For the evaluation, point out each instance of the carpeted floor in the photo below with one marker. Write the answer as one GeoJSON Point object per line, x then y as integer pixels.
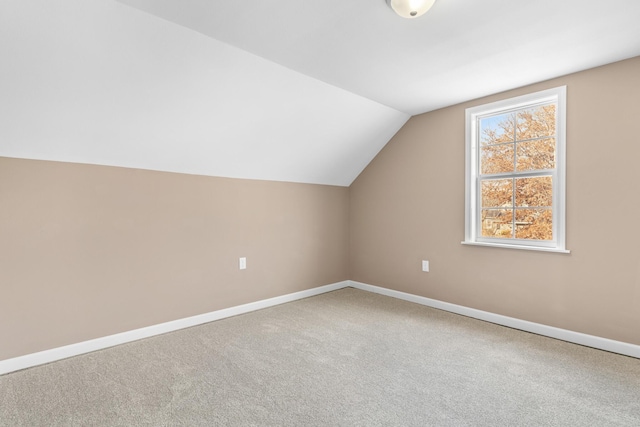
{"type": "Point", "coordinates": [345, 358]}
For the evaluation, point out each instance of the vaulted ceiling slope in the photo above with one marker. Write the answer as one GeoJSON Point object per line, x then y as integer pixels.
{"type": "Point", "coordinates": [459, 50]}
{"type": "Point", "coordinates": [290, 90]}
{"type": "Point", "coordinates": [100, 82]}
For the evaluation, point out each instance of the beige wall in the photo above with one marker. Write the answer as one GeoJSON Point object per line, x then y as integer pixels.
{"type": "Point", "coordinates": [88, 251]}
{"type": "Point", "coordinates": [408, 205]}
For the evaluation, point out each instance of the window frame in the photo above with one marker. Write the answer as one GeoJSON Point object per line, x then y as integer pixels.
{"type": "Point", "coordinates": [557, 95]}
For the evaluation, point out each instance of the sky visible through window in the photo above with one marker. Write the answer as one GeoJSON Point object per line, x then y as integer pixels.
{"type": "Point", "coordinates": [519, 142]}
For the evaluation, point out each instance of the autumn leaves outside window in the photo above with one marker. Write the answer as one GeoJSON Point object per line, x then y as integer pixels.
{"type": "Point", "coordinates": [512, 145]}
{"type": "Point", "coordinates": [515, 172]}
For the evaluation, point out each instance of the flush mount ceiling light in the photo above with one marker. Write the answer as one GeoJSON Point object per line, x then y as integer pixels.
{"type": "Point", "coordinates": [410, 8]}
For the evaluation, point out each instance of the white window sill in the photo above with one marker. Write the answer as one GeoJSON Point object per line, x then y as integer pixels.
{"type": "Point", "coordinates": [522, 247]}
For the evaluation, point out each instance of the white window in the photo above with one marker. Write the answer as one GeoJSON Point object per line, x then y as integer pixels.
{"type": "Point", "coordinates": [515, 172]}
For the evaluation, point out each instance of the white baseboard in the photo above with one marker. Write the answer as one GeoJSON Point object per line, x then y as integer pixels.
{"type": "Point", "coordinates": [59, 353]}
{"type": "Point", "coordinates": [523, 325]}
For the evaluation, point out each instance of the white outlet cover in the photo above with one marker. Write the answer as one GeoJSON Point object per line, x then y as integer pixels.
{"type": "Point", "coordinates": [243, 263]}
{"type": "Point", "coordinates": [425, 266]}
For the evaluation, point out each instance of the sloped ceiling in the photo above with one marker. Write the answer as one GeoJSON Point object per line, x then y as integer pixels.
{"type": "Point", "coordinates": [459, 50]}
{"type": "Point", "coordinates": [102, 83]}
{"type": "Point", "coordinates": [303, 91]}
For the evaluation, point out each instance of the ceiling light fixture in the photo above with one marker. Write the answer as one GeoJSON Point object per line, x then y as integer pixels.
{"type": "Point", "coordinates": [410, 8]}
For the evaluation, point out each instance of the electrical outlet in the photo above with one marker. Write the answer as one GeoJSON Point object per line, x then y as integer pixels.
{"type": "Point", "coordinates": [425, 265]}
{"type": "Point", "coordinates": [243, 263]}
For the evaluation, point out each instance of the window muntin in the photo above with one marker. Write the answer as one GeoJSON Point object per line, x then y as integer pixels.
{"type": "Point", "coordinates": [515, 172]}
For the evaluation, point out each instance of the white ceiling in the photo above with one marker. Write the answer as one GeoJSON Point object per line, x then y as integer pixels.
{"type": "Point", "coordinates": [289, 90]}
{"type": "Point", "coordinates": [459, 50]}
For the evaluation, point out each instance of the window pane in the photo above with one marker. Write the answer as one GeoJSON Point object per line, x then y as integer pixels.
{"type": "Point", "coordinates": [515, 170]}
{"type": "Point", "coordinates": [496, 159]}
{"type": "Point", "coordinates": [497, 223]}
{"type": "Point", "coordinates": [537, 154]}
{"type": "Point", "coordinates": [537, 191]}
{"type": "Point", "coordinates": [497, 129]}
{"type": "Point", "coordinates": [534, 224]}
{"type": "Point", "coordinates": [497, 193]}
{"type": "Point", "coordinates": [536, 122]}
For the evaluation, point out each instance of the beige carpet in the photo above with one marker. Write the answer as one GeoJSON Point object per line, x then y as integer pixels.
{"type": "Point", "coordinates": [346, 358]}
